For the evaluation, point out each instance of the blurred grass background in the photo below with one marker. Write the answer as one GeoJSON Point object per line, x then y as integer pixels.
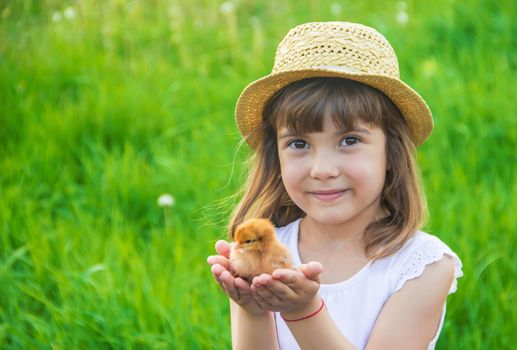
{"type": "Point", "coordinates": [106, 105]}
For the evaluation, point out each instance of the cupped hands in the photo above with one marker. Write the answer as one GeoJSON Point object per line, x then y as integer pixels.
{"type": "Point", "coordinates": [293, 292]}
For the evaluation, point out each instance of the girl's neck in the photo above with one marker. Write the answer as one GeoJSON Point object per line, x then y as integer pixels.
{"type": "Point", "coordinates": [344, 236]}
{"type": "Point", "coordinates": [325, 237]}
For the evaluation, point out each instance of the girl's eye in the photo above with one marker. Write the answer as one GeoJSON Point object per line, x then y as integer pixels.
{"type": "Point", "coordinates": [298, 144]}
{"type": "Point", "coordinates": [349, 141]}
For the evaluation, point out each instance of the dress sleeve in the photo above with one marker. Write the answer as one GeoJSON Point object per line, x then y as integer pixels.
{"type": "Point", "coordinates": [425, 254]}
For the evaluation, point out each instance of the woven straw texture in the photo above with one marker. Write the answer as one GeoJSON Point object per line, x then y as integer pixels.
{"type": "Point", "coordinates": [333, 49]}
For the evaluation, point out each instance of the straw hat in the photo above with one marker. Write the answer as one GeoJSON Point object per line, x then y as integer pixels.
{"type": "Point", "coordinates": [333, 49]}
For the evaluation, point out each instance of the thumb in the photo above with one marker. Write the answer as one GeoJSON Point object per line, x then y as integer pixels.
{"type": "Point", "coordinates": [312, 270]}
{"type": "Point", "coordinates": [223, 248]}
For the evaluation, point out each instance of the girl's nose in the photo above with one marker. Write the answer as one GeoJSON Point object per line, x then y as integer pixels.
{"type": "Point", "coordinates": [324, 166]}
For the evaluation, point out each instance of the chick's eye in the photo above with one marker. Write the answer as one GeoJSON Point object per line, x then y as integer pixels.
{"type": "Point", "coordinates": [249, 241]}
{"type": "Point", "coordinates": [298, 144]}
{"type": "Point", "coordinates": [349, 141]}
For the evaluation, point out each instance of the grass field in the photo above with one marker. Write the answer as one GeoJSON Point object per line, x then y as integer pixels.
{"type": "Point", "coordinates": [106, 105]}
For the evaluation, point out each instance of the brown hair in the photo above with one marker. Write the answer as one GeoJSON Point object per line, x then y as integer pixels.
{"type": "Point", "coordinates": [301, 106]}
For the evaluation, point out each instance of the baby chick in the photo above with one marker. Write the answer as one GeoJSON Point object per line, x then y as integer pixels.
{"type": "Point", "coordinates": [256, 250]}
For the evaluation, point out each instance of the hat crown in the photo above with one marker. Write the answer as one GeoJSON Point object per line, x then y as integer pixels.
{"type": "Point", "coordinates": [346, 46]}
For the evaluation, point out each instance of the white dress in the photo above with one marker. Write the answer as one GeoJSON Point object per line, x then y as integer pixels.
{"type": "Point", "coordinates": [355, 303]}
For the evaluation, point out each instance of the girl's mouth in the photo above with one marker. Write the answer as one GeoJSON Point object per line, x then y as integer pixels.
{"type": "Point", "coordinates": [328, 195]}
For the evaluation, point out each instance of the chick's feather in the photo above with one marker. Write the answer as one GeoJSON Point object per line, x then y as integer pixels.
{"type": "Point", "coordinates": [256, 250]}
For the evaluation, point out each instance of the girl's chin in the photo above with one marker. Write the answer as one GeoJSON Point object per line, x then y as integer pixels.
{"type": "Point", "coordinates": [328, 219]}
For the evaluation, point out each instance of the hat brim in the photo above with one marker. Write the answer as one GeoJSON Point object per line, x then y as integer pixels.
{"type": "Point", "coordinates": [250, 105]}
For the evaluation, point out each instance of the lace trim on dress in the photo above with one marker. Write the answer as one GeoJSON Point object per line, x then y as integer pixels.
{"type": "Point", "coordinates": [424, 255]}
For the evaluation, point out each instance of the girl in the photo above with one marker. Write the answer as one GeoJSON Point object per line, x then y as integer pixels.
{"type": "Point", "coordinates": [334, 131]}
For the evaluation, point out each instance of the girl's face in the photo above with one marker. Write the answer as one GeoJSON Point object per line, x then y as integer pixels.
{"type": "Point", "coordinates": [335, 176]}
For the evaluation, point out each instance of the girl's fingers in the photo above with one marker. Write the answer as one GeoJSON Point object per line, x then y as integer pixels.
{"type": "Point", "coordinates": [242, 284]}
{"type": "Point", "coordinates": [217, 270]}
{"type": "Point", "coordinates": [262, 279]}
{"type": "Point", "coordinates": [280, 290]}
{"type": "Point", "coordinates": [273, 296]}
{"type": "Point", "coordinates": [273, 291]}
{"type": "Point", "coordinates": [264, 302]}
{"type": "Point", "coordinates": [235, 287]}
{"type": "Point", "coordinates": [288, 277]}
{"type": "Point", "coordinates": [297, 281]}
{"type": "Point", "coordinates": [219, 259]}
{"type": "Point", "coordinates": [246, 297]}
{"type": "Point", "coordinates": [223, 248]}
{"type": "Point", "coordinates": [227, 282]}
{"type": "Point", "coordinates": [312, 270]}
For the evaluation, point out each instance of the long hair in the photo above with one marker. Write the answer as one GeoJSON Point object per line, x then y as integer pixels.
{"type": "Point", "coordinates": [301, 106]}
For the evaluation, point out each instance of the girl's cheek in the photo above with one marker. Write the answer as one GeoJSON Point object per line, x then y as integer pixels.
{"type": "Point", "coordinates": [356, 166]}
{"type": "Point", "coordinates": [290, 164]}
{"type": "Point", "coordinates": [292, 177]}
{"type": "Point", "coordinates": [370, 173]}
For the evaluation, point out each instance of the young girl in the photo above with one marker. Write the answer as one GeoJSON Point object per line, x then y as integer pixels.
{"type": "Point", "coordinates": [334, 131]}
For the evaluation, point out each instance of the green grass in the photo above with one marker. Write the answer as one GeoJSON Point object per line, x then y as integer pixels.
{"type": "Point", "coordinates": [106, 109]}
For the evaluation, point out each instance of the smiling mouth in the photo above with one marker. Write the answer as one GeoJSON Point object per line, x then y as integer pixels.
{"type": "Point", "coordinates": [328, 195]}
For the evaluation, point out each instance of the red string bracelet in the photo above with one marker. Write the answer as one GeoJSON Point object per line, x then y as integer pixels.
{"type": "Point", "coordinates": [306, 317]}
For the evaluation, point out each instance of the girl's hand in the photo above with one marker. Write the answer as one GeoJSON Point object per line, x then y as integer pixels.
{"type": "Point", "coordinates": [291, 292]}
{"type": "Point", "coordinates": [236, 288]}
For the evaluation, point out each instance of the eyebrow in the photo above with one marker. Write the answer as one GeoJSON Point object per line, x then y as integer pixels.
{"type": "Point", "coordinates": [288, 133]}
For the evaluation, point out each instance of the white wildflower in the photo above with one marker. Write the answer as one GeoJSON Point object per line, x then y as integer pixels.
{"type": "Point", "coordinates": [336, 9]}
{"type": "Point", "coordinates": [69, 13]}
{"type": "Point", "coordinates": [56, 17]}
{"type": "Point", "coordinates": [226, 7]}
{"type": "Point", "coordinates": [402, 17]}
{"type": "Point", "coordinates": [166, 200]}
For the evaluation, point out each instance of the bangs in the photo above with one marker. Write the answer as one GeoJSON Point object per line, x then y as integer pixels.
{"type": "Point", "coordinates": [301, 106]}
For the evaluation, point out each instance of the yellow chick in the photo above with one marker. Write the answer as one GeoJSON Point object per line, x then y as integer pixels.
{"type": "Point", "coordinates": [256, 250]}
